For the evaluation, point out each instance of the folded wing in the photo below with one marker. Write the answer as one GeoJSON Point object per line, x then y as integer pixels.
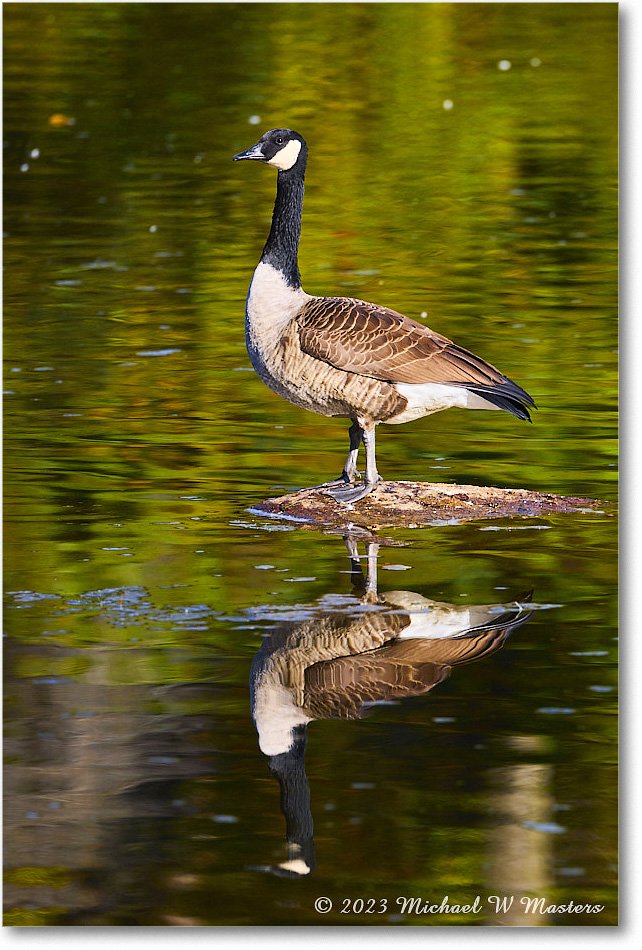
{"type": "Point", "coordinates": [364, 338]}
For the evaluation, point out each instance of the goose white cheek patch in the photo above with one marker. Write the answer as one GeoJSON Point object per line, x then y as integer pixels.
{"type": "Point", "coordinates": [287, 156]}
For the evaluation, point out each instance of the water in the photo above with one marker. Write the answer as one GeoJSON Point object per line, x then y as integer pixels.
{"type": "Point", "coordinates": [140, 588]}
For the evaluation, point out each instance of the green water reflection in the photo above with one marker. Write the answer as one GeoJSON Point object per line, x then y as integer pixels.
{"type": "Point", "coordinates": [463, 167]}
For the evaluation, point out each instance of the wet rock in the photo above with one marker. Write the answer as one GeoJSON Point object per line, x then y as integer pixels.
{"type": "Point", "coordinates": [418, 504]}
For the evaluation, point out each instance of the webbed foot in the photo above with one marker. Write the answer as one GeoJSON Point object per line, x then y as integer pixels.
{"type": "Point", "coordinates": [347, 493]}
{"type": "Point", "coordinates": [344, 480]}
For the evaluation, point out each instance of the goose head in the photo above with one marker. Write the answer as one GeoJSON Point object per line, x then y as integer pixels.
{"type": "Point", "coordinates": [282, 148]}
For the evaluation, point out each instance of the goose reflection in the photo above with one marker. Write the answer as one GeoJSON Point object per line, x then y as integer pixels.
{"type": "Point", "coordinates": [339, 664]}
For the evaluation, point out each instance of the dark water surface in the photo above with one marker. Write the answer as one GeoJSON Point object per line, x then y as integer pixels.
{"type": "Point", "coordinates": [463, 171]}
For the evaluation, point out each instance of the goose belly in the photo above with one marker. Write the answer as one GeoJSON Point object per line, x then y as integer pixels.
{"type": "Point", "coordinates": [313, 384]}
{"type": "Point", "coordinates": [301, 381]}
{"type": "Point", "coordinates": [422, 399]}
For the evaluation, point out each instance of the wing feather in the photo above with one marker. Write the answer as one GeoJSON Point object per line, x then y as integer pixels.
{"type": "Point", "coordinates": [340, 687]}
{"type": "Point", "coordinates": [364, 338]}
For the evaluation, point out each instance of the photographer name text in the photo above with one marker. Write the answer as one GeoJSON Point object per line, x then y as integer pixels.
{"type": "Point", "coordinates": [419, 905]}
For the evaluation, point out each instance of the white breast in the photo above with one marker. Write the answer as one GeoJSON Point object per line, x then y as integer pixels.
{"type": "Point", "coordinates": [275, 716]}
{"type": "Point", "coordinates": [271, 304]}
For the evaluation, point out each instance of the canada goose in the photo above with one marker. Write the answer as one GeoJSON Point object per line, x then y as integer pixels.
{"type": "Point", "coordinates": [335, 665]}
{"type": "Point", "coordinates": [343, 357]}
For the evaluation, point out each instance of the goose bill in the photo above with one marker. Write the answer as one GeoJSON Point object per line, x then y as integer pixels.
{"type": "Point", "coordinates": [254, 152]}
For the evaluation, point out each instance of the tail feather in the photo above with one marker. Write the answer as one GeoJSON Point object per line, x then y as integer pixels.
{"type": "Point", "coordinates": [506, 401]}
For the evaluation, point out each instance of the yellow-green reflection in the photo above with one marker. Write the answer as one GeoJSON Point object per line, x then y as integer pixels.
{"type": "Point", "coordinates": [136, 436]}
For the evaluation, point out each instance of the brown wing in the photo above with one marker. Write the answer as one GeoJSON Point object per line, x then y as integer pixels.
{"type": "Point", "coordinates": [361, 337]}
{"type": "Point", "coordinates": [339, 688]}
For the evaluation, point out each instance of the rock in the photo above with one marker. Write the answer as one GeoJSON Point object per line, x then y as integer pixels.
{"type": "Point", "coordinates": [418, 504]}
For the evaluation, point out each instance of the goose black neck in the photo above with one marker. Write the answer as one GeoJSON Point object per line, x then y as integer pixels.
{"type": "Point", "coordinates": [282, 245]}
{"type": "Point", "coordinates": [289, 768]}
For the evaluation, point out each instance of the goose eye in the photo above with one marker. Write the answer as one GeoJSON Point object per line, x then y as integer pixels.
{"type": "Point", "coordinates": [279, 140]}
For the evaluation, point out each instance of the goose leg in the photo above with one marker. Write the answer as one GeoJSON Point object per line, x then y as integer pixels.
{"type": "Point", "coordinates": [367, 586]}
{"type": "Point", "coordinates": [372, 551]}
{"type": "Point", "coordinates": [349, 474]}
{"type": "Point", "coordinates": [349, 493]}
{"type": "Point", "coordinates": [358, 580]}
